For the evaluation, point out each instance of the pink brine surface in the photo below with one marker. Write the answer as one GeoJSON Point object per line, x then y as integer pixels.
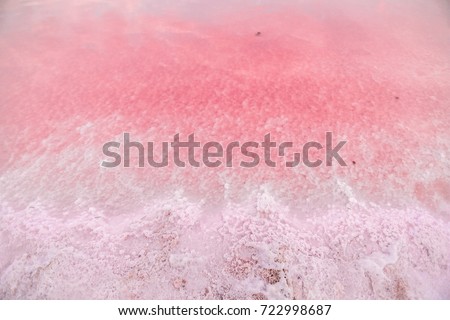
{"type": "Point", "coordinates": [77, 74]}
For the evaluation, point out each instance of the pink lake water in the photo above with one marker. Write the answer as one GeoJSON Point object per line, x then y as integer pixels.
{"type": "Point", "coordinates": [76, 74]}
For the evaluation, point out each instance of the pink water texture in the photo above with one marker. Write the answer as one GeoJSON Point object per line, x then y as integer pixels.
{"type": "Point", "coordinates": [76, 74]}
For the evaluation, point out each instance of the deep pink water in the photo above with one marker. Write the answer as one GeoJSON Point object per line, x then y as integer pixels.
{"type": "Point", "coordinates": [76, 74]}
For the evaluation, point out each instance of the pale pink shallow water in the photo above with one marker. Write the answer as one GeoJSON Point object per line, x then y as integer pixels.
{"type": "Point", "coordinates": [76, 74]}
